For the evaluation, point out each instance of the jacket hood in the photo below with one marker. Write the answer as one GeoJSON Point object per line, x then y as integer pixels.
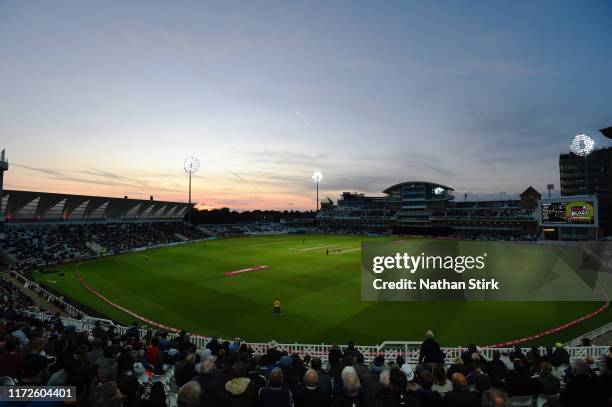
{"type": "Point", "coordinates": [237, 386]}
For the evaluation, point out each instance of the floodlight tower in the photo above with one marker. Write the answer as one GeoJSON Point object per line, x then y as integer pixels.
{"type": "Point", "coordinates": [191, 165]}
{"type": "Point", "coordinates": [317, 177]}
{"type": "Point", "coordinates": [582, 145]}
{"type": "Point", "coordinates": [4, 166]}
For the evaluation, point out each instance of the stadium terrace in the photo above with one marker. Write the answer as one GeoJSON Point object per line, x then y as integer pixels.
{"type": "Point", "coordinates": [417, 207]}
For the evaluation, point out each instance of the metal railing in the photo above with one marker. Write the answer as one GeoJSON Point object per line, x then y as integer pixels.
{"type": "Point", "coordinates": [52, 298]}
{"type": "Point", "coordinates": [595, 333]}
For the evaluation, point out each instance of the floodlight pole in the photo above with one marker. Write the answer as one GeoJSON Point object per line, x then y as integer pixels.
{"type": "Point", "coordinates": [191, 165]}
{"type": "Point", "coordinates": [586, 173]}
{"type": "Point", "coordinates": [4, 166]}
{"type": "Point", "coordinates": [317, 196]}
{"type": "Point", "coordinates": [189, 208]}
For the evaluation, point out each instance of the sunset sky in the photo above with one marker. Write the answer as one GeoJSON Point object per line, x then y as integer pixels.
{"type": "Point", "coordinates": [109, 98]}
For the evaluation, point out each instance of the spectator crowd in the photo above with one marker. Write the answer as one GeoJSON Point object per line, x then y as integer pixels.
{"type": "Point", "coordinates": [146, 368]}
{"type": "Point", "coordinates": [39, 246]}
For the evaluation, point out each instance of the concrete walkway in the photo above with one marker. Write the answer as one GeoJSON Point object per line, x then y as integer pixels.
{"type": "Point", "coordinates": [605, 340]}
{"type": "Point", "coordinates": [40, 301]}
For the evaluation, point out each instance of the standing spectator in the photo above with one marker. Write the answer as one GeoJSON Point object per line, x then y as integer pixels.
{"type": "Point", "coordinates": [351, 352]}
{"type": "Point", "coordinates": [430, 350]}
{"type": "Point", "coordinates": [214, 345]}
{"type": "Point", "coordinates": [560, 355]}
{"type": "Point", "coordinates": [133, 333]}
{"type": "Point", "coordinates": [99, 332]}
{"type": "Point", "coordinates": [154, 355]}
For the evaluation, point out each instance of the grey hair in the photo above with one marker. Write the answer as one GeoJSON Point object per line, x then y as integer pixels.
{"type": "Point", "coordinates": [429, 334]}
{"type": "Point", "coordinates": [350, 380]}
{"type": "Point", "coordinates": [580, 367]}
{"type": "Point", "coordinates": [208, 365]}
{"type": "Point", "coordinates": [189, 394]}
{"type": "Point", "coordinates": [384, 378]}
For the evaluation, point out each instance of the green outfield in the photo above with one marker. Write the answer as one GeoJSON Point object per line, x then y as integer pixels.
{"type": "Point", "coordinates": [185, 287]}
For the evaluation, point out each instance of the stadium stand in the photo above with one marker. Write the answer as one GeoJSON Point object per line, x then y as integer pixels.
{"type": "Point", "coordinates": [37, 246]}
{"type": "Point", "coordinates": [418, 207]}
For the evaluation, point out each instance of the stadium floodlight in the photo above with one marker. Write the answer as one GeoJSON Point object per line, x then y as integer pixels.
{"type": "Point", "coordinates": [317, 177]}
{"type": "Point", "coordinates": [582, 145]}
{"type": "Point", "coordinates": [191, 165]}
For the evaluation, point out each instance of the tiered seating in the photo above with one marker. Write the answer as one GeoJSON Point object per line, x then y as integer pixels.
{"type": "Point", "coordinates": [37, 246]}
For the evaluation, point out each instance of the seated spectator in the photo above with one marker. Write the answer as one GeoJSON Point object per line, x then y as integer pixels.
{"type": "Point", "coordinates": [97, 352]}
{"type": "Point", "coordinates": [11, 360]}
{"type": "Point", "coordinates": [274, 394]}
{"type": "Point", "coordinates": [495, 398]}
{"type": "Point", "coordinates": [396, 394]}
{"type": "Point", "coordinates": [309, 394]}
{"type": "Point", "coordinates": [290, 375]}
{"type": "Point", "coordinates": [519, 380]}
{"type": "Point", "coordinates": [131, 389]}
{"type": "Point", "coordinates": [351, 386]}
{"type": "Point", "coordinates": [545, 382]}
{"type": "Point", "coordinates": [374, 385]}
{"type": "Point", "coordinates": [458, 366]}
{"type": "Point", "coordinates": [461, 395]}
{"type": "Point", "coordinates": [212, 382]}
{"type": "Point", "coordinates": [189, 395]}
{"type": "Point", "coordinates": [324, 379]}
{"type": "Point", "coordinates": [425, 394]}
{"type": "Point", "coordinates": [58, 378]}
{"type": "Point", "coordinates": [157, 397]}
{"type": "Point", "coordinates": [240, 391]}
{"type": "Point", "coordinates": [497, 370]}
{"type": "Point", "coordinates": [184, 370]}
{"type": "Point", "coordinates": [106, 395]}
{"type": "Point", "coordinates": [580, 390]}
{"type": "Point", "coordinates": [35, 370]}
{"type": "Point", "coordinates": [441, 384]}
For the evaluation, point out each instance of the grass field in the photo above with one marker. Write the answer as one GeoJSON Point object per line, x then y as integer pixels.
{"type": "Point", "coordinates": [185, 287]}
